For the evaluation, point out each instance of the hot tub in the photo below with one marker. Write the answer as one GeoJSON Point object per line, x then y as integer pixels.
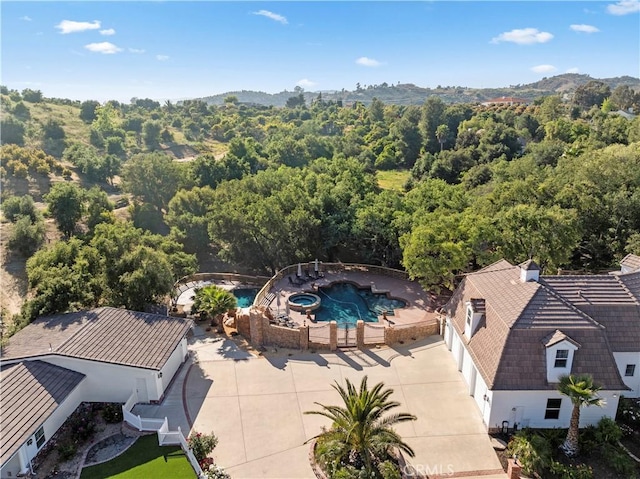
{"type": "Point", "coordinates": [304, 302]}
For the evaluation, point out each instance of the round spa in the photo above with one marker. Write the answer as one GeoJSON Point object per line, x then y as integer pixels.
{"type": "Point", "coordinates": [304, 302]}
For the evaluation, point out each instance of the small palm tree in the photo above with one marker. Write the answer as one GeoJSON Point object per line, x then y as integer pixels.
{"type": "Point", "coordinates": [212, 301]}
{"type": "Point", "coordinates": [582, 392]}
{"type": "Point", "coordinates": [360, 435]}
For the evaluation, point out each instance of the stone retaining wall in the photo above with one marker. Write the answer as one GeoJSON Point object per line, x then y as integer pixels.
{"type": "Point", "coordinates": [256, 327]}
{"type": "Point", "coordinates": [396, 334]}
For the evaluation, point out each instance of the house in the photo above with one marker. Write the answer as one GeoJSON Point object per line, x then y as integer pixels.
{"type": "Point", "coordinates": [55, 363]}
{"type": "Point", "coordinates": [504, 100]}
{"type": "Point", "coordinates": [513, 333]}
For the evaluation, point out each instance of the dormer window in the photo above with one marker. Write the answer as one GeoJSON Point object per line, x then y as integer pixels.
{"type": "Point", "coordinates": [560, 351]}
{"type": "Point", "coordinates": [475, 311]}
{"type": "Point", "coordinates": [562, 355]}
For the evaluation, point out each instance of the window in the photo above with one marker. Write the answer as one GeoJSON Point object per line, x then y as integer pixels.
{"type": "Point", "coordinates": [553, 409]}
{"type": "Point", "coordinates": [630, 370]}
{"type": "Point", "coordinates": [469, 314]}
{"type": "Point", "coordinates": [40, 437]}
{"type": "Point", "coordinates": [561, 358]}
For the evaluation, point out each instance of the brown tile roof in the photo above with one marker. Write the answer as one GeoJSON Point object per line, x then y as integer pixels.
{"type": "Point", "coordinates": [31, 392]}
{"type": "Point", "coordinates": [507, 346]}
{"type": "Point", "coordinates": [631, 261]}
{"type": "Point", "coordinates": [556, 337]}
{"type": "Point", "coordinates": [104, 334]}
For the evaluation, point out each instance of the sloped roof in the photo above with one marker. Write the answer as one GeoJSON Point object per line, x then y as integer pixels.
{"type": "Point", "coordinates": [110, 335]}
{"type": "Point", "coordinates": [631, 262]}
{"type": "Point", "coordinates": [31, 392]}
{"type": "Point", "coordinates": [556, 337]}
{"type": "Point", "coordinates": [507, 346]}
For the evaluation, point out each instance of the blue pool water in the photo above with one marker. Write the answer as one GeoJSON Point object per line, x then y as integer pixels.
{"type": "Point", "coordinates": [346, 304]}
{"type": "Point", "coordinates": [245, 296]}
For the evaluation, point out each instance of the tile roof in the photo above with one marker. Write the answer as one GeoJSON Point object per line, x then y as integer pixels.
{"type": "Point", "coordinates": [507, 346]}
{"type": "Point", "coordinates": [31, 392]}
{"type": "Point", "coordinates": [631, 262]}
{"type": "Point", "coordinates": [556, 337]}
{"type": "Point", "coordinates": [110, 335]}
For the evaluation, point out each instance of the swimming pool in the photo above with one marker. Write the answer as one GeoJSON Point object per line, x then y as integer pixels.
{"type": "Point", "coordinates": [345, 303]}
{"type": "Point", "coordinates": [245, 296]}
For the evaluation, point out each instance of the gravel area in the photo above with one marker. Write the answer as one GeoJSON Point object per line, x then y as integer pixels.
{"type": "Point", "coordinates": [108, 448]}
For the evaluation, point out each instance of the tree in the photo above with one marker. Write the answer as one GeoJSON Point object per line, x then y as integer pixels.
{"type": "Point", "coordinates": [361, 436]}
{"type": "Point", "coordinates": [582, 392]}
{"type": "Point", "coordinates": [32, 96]}
{"type": "Point", "coordinates": [27, 236]}
{"type": "Point", "coordinates": [295, 101]}
{"type": "Point", "coordinates": [153, 177]}
{"type": "Point", "coordinates": [591, 94]}
{"type": "Point", "coordinates": [623, 97]}
{"type": "Point", "coordinates": [442, 134]}
{"type": "Point", "coordinates": [151, 134]}
{"type": "Point", "coordinates": [11, 131]}
{"type": "Point", "coordinates": [88, 110]}
{"type": "Point", "coordinates": [212, 301]}
{"type": "Point", "coordinates": [187, 217]}
{"type": "Point", "coordinates": [15, 207]}
{"type": "Point", "coordinates": [99, 208]}
{"type": "Point", "coordinates": [66, 204]}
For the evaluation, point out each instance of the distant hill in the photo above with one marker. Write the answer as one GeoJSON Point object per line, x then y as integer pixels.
{"type": "Point", "coordinates": [410, 94]}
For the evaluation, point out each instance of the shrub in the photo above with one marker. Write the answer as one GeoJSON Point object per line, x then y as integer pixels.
{"type": "Point", "coordinates": [81, 423]}
{"type": "Point", "coordinates": [607, 432]}
{"type": "Point", "coordinates": [216, 472]}
{"type": "Point", "coordinates": [532, 451]}
{"type": "Point", "coordinates": [618, 460]}
{"type": "Point", "coordinates": [564, 471]}
{"type": "Point", "coordinates": [202, 444]}
{"type": "Point", "coordinates": [66, 450]}
{"type": "Point", "coordinates": [629, 412]}
{"type": "Point", "coordinates": [112, 413]}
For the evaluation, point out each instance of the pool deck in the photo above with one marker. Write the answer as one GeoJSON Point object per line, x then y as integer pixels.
{"type": "Point", "coordinates": [419, 307]}
{"type": "Point", "coordinates": [185, 299]}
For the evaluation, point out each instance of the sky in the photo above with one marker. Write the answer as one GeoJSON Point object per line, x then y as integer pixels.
{"type": "Point", "coordinates": [176, 49]}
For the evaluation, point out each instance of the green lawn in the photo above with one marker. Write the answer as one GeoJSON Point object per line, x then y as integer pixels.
{"type": "Point", "coordinates": [393, 179]}
{"type": "Point", "coordinates": [145, 459]}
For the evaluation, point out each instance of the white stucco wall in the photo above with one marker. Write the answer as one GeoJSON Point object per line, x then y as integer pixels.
{"type": "Point", "coordinates": [622, 359]}
{"type": "Point", "coordinates": [50, 426]}
{"type": "Point", "coordinates": [554, 373]}
{"type": "Point", "coordinates": [172, 364]}
{"type": "Point", "coordinates": [528, 409]}
{"type": "Point", "coordinates": [106, 382]}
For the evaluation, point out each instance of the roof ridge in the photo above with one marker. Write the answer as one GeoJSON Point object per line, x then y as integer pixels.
{"type": "Point", "coordinates": [624, 286]}
{"type": "Point", "coordinates": [558, 296]}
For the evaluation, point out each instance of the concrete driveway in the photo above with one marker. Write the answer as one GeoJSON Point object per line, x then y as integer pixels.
{"type": "Point", "coordinates": [255, 406]}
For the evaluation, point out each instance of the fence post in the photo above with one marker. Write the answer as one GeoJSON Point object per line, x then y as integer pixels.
{"type": "Point", "coordinates": [360, 334]}
{"type": "Point", "coordinates": [333, 335]}
{"type": "Point", "coordinates": [304, 338]}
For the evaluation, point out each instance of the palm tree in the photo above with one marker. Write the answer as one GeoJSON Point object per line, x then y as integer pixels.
{"type": "Point", "coordinates": [212, 301]}
{"type": "Point", "coordinates": [582, 392]}
{"type": "Point", "coordinates": [360, 435]}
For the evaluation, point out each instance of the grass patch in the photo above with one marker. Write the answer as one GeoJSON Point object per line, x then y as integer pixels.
{"type": "Point", "coordinates": [144, 459]}
{"type": "Point", "coordinates": [393, 179]}
{"type": "Point", "coordinates": [67, 115]}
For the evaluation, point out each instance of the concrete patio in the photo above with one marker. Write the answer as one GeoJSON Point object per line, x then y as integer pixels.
{"type": "Point", "coordinates": [255, 406]}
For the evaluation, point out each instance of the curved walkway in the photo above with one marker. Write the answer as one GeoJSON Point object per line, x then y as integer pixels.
{"type": "Point", "coordinates": [255, 406]}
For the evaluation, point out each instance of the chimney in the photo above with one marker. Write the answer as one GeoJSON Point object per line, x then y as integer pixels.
{"type": "Point", "coordinates": [529, 271]}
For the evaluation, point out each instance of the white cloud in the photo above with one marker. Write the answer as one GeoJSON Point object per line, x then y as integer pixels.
{"type": "Point", "coordinates": [273, 16]}
{"type": "Point", "coordinates": [573, 70]}
{"type": "Point", "coordinates": [105, 48]}
{"type": "Point", "coordinates": [162, 58]}
{"type": "Point", "coordinates": [523, 36]}
{"type": "Point", "coordinates": [26, 18]}
{"type": "Point", "coordinates": [543, 69]}
{"type": "Point", "coordinates": [136, 50]}
{"type": "Point", "coordinates": [368, 62]}
{"type": "Point", "coordinates": [108, 31]}
{"type": "Point", "coordinates": [624, 7]}
{"type": "Point", "coordinates": [69, 26]}
{"type": "Point", "coordinates": [306, 83]}
{"type": "Point", "coordinates": [584, 28]}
